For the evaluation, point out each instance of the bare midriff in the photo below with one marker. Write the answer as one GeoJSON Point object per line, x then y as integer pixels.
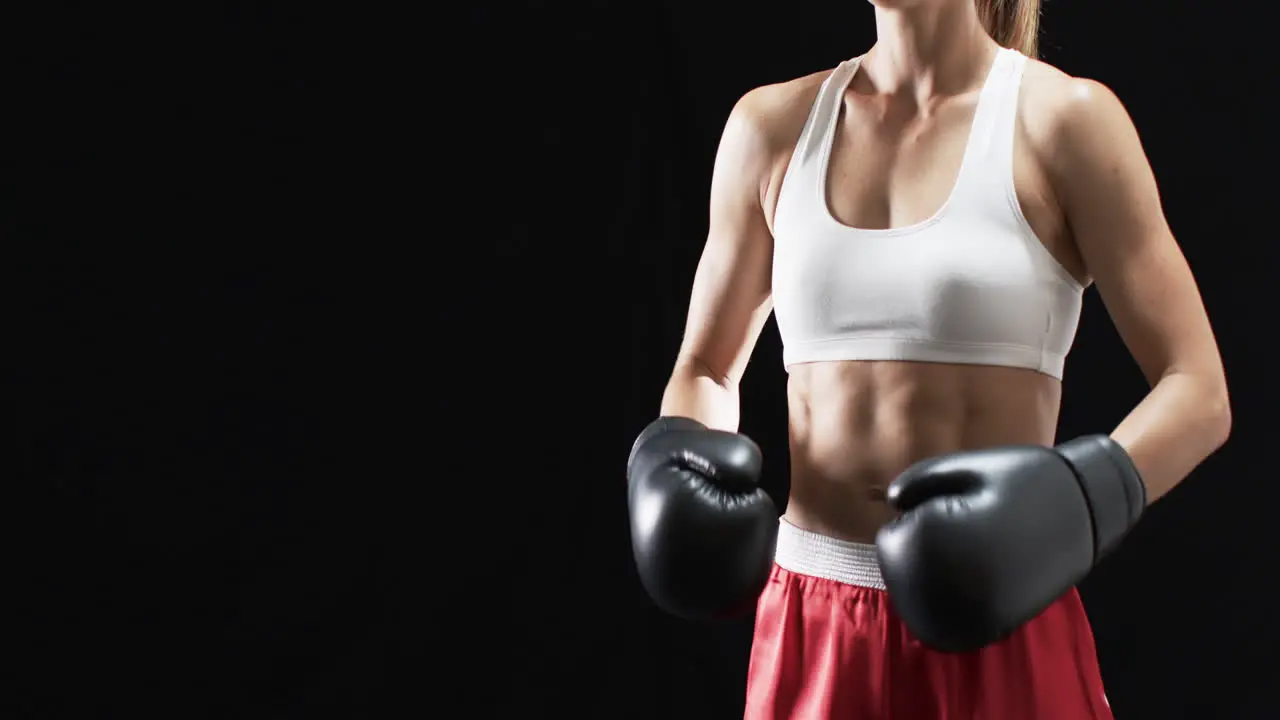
{"type": "Point", "coordinates": [854, 426]}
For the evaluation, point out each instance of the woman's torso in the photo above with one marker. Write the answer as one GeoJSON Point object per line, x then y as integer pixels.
{"type": "Point", "coordinates": [856, 424]}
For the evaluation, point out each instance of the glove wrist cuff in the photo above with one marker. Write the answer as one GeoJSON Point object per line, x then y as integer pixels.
{"type": "Point", "coordinates": [1112, 486]}
{"type": "Point", "coordinates": [657, 427]}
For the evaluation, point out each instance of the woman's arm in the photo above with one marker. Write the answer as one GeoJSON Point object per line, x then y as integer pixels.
{"type": "Point", "coordinates": [1108, 192]}
{"type": "Point", "coordinates": [731, 290]}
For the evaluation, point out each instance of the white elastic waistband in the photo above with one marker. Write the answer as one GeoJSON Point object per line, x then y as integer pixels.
{"type": "Point", "coordinates": [809, 553]}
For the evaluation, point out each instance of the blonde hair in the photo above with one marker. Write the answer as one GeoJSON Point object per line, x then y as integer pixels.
{"type": "Point", "coordinates": [1012, 23]}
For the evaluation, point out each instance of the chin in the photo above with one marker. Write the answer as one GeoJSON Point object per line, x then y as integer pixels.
{"type": "Point", "coordinates": [901, 4]}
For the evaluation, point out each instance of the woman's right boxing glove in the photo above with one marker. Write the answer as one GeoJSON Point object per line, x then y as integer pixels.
{"type": "Point", "coordinates": [702, 530]}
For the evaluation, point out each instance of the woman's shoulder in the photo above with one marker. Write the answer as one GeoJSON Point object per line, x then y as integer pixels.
{"type": "Point", "coordinates": [1076, 126]}
{"type": "Point", "coordinates": [778, 111]}
{"type": "Point", "coordinates": [1053, 101]}
{"type": "Point", "coordinates": [1049, 93]}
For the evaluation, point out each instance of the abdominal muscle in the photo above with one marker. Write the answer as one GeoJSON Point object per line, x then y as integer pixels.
{"type": "Point", "coordinates": [854, 426]}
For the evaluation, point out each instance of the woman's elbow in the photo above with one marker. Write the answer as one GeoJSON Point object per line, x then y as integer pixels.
{"type": "Point", "coordinates": [1220, 415]}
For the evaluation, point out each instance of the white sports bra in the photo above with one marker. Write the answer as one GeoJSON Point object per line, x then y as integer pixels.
{"type": "Point", "coordinates": [972, 284]}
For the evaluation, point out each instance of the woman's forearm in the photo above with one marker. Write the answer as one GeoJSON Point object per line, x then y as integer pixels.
{"type": "Point", "coordinates": [1182, 421]}
{"type": "Point", "coordinates": [693, 392]}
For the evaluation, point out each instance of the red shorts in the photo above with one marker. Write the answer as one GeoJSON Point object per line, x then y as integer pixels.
{"type": "Point", "coordinates": [828, 645]}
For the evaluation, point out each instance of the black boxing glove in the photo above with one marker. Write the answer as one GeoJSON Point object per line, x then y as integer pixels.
{"type": "Point", "coordinates": [702, 531]}
{"type": "Point", "coordinates": [988, 539]}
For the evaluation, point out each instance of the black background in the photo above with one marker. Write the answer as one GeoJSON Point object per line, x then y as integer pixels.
{"type": "Point", "coordinates": [329, 332]}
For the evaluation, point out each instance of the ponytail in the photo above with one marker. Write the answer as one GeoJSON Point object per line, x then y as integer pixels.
{"type": "Point", "coordinates": [1012, 23]}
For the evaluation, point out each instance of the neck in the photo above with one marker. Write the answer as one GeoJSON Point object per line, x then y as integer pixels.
{"type": "Point", "coordinates": [935, 50]}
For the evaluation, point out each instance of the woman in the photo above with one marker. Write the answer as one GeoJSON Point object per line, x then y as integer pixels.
{"type": "Point", "coordinates": [923, 220]}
